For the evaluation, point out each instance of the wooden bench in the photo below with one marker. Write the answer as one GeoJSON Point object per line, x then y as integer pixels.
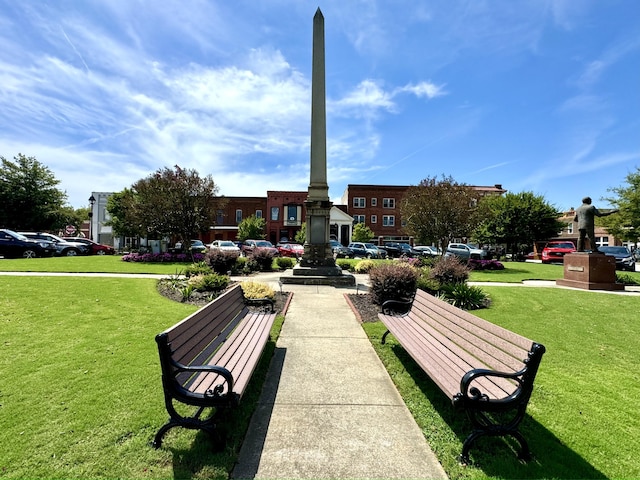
{"type": "Point", "coordinates": [208, 358]}
{"type": "Point", "coordinates": [484, 369]}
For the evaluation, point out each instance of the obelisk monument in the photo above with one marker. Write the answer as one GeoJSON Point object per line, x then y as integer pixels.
{"type": "Point", "coordinates": [317, 264]}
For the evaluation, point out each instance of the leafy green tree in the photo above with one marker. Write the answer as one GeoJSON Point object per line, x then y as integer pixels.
{"type": "Point", "coordinates": [437, 211]}
{"type": "Point", "coordinates": [362, 233]}
{"type": "Point", "coordinates": [626, 224]}
{"type": "Point", "coordinates": [301, 235]}
{"type": "Point", "coordinates": [176, 203]}
{"type": "Point", "coordinates": [29, 195]}
{"type": "Point", "coordinates": [516, 219]}
{"type": "Point", "coordinates": [122, 209]}
{"type": "Point", "coordinates": [251, 227]}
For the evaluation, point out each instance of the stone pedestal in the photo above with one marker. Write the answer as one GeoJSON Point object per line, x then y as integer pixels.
{"type": "Point", "coordinates": [319, 275]}
{"type": "Point", "coordinates": [590, 271]}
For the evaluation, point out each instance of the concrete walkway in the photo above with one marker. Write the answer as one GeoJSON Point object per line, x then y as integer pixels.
{"type": "Point", "coordinates": [328, 408]}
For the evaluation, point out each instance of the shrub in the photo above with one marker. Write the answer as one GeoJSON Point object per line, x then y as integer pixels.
{"type": "Point", "coordinates": [449, 270]}
{"type": "Point", "coordinates": [464, 296]}
{"type": "Point", "coordinates": [212, 282]}
{"type": "Point", "coordinates": [200, 268]}
{"type": "Point", "coordinates": [221, 261]}
{"type": "Point", "coordinates": [285, 262]}
{"type": "Point", "coordinates": [263, 258]}
{"type": "Point", "coordinates": [343, 264]}
{"type": "Point", "coordinates": [363, 266]}
{"type": "Point", "coordinates": [475, 264]}
{"type": "Point", "coordinates": [257, 290]}
{"type": "Point", "coordinates": [392, 281]}
{"type": "Point", "coordinates": [626, 279]}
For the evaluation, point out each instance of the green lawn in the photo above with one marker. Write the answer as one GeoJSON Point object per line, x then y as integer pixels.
{"type": "Point", "coordinates": [80, 390]}
{"type": "Point", "coordinates": [92, 263]}
{"type": "Point", "coordinates": [583, 420]}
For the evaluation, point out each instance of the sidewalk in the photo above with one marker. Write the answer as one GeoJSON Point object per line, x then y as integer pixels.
{"type": "Point", "coordinates": [328, 408]}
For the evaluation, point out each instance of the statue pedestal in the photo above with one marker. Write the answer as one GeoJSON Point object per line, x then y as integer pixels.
{"type": "Point", "coordinates": [590, 271]}
{"type": "Point", "coordinates": [319, 275]}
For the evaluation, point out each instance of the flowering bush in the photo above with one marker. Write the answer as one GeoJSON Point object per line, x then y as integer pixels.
{"type": "Point", "coordinates": [485, 264]}
{"type": "Point", "coordinates": [163, 257]}
{"type": "Point", "coordinates": [393, 281]}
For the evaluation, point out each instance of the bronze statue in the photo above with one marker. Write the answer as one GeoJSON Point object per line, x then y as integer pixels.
{"type": "Point", "coordinates": [585, 216]}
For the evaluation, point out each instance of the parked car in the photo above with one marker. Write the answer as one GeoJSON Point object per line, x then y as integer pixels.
{"type": "Point", "coordinates": [196, 246]}
{"type": "Point", "coordinates": [249, 246]}
{"type": "Point", "coordinates": [428, 251]}
{"type": "Point", "coordinates": [624, 258]}
{"type": "Point", "coordinates": [339, 250]}
{"type": "Point", "coordinates": [290, 249]}
{"type": "Point", "coordinates": [224, 245]}
{"type": "Point", "coordinates": [398, 249]}
{"type": "Point", "coordinates": [15, 245]}
{"type": "Point", "coordinates": [366, 250]}
{"type": "Point", "coordinates": [465, 251]}
{"type": "Point", "coordinates": [556, 250]}
{"type": "Point", "coordinates": [63, 248]}
{"type": "Point", "coordinates": [95, 248]}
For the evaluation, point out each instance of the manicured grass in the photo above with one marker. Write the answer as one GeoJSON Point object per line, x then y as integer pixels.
{"type": "Point", "coordinates": [516, 272]}
{"type": "Point", "coordinates": [80, 390]}
{"type": "Point", "coordinates": [582, 419]}
{"type": "Point", "coordinates": [92, 263]}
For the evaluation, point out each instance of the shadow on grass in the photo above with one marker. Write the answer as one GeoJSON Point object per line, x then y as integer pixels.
{"type": "Point", "coordinates": [497, 457]}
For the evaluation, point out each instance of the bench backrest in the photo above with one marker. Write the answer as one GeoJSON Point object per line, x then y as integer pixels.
{"type": "Point", "coordinates": [195, 339]}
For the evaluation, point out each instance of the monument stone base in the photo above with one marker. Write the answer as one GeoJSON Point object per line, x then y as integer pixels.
{"type": "Point", "coordinates": [319, 275]}
{"type": "Point", "coordinates": [590, 271]}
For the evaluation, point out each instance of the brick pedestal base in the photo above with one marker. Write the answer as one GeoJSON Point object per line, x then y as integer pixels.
{"type": "Point", "coordinates": [590, 271]}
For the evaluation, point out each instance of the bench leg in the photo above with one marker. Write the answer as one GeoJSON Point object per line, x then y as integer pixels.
{"type": "Point", "coordinates": [384, 337]}
{"type": "Point", "coordinates": [209, 426]}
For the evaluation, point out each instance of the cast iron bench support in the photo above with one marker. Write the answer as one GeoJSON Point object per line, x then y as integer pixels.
{"type": "Point", "coordinates": [484, 369]}
{"type": "Point", "coordinates": [208, 358]}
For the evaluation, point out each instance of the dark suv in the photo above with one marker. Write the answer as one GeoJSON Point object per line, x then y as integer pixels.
{"type": "Point", "coordinates": [62, 247]}
{"type": "Point", "coordinates": [14, 245]}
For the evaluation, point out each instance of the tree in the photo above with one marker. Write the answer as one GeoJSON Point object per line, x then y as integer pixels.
{"type": "Point", "coordinates": [517, 219]}
{"type": "Point", "coordinates": [175, 203]}
{"type": "Point", "coordinates": [301, 235]}
{"type": "Point", "coordinates": [29, 196]}
{"type": "Point", "coordinates": [362, 233]}
{"type": "Point", "coordinates": [122, 209]}
{"type": "Point", "coordinates": [626, 224]}
{"type": "Point", "coordinates": [251, 227]}
{"type": "Point", "coordinates": [439, 211]}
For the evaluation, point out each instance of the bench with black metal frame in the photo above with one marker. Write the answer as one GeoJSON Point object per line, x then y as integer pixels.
{"type": "Point", "coordinates": [208, 358]}
{"type": "Point", "coordinates": [484, 369]}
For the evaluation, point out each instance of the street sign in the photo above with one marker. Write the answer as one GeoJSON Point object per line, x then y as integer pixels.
{"type": "Point", "coordinates": [69, 229]}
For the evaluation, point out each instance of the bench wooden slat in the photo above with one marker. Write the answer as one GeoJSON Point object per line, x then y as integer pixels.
{"type": "Point", "coordinates": [480, 366]}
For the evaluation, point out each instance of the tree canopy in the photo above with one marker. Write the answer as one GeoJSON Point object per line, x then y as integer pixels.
{"type": "Point", "coordinates": [516, 219]}
{"type": "Point", "coordinates": [252, 227]}
{"type": "Point", "coordinates": [626, 224]}
{"type": "Point", "coordinates": [362, 233]}
{"type": "Point", "coordinates": [29, 196]}
{"type": "Point", "coordinates": [438, 211]}
{"type": "Point", "coordinates": [170, 202]}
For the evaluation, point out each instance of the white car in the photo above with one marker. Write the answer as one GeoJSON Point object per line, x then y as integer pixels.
{"type": "Point", "coordinates": [465, 251]}
{"type": "Point", "coordinates": [224, 245]}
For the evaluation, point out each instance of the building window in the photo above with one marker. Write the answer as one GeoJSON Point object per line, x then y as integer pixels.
{"type": "Point", "coordinates": [258, 213]}
{"type": "Point", "coordinates": [374, 219]}
{"type": "Point", "coordinates": [374, 202]}
{"type": "Point", "coordinates": [292, 212]}
{"type": "Point", "coordinates": [602, 241]}
{"type": "Point", "coordinates": [388, 203]}
{"type": "Point", "coordinates": [238, 216]}
{"type": "Point", "coordinates": [359, 202]}
{"type": "Point", "coordinates": [275, 214]}
{"type": "Point", "coordinates": [220, 217]}
{"type": "Point", "coordinates": [358, 218]}
{"type": "Point", "coordinates": [388, 220]}
{"type": "Point", "coordinates": [570, 227]}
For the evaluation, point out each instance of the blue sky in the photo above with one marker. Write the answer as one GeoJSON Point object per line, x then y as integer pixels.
{"type": "Point", "coordinates": [536, 95]}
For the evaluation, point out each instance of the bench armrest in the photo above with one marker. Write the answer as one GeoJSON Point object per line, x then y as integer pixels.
{"type": "Point", "coordinates": [261, 302]}
{"type": "Point", "coordinates": [223, 372]}
{"type": "Point", "coordinates": [395, 307]}
{"type": "Point", "coordinates": [470, 395]}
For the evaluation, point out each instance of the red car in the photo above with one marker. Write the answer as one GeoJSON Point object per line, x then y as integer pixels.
{"type": "Point", "coordinates": [290, 249]}
{"type": "Point", "coordinates": [96, 248]}
{"type": "Point", "coordinates": [555, 251]}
